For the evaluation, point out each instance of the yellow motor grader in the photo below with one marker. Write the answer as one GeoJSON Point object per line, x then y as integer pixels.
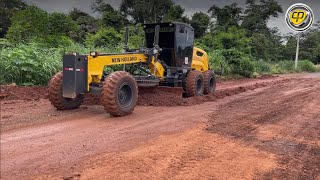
{"type": "Point", "coordinates": [169, 59]}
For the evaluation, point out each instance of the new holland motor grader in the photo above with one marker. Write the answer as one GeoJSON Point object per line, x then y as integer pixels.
{"type": "Point", "coordinates": [169, 59]}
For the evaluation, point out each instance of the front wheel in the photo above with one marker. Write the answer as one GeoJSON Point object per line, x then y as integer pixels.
{"type": "Point", "coordinates": [119, 94]}
{"type": "Point", "coordinates": [56, 98]}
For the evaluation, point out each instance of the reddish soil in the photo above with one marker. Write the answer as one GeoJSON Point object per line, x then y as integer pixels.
{"type": "Point", "coordinates": [13, 92]}
{"type": "Point", "coordinates": [283, 121]}
{"type": "Point", "coordinates": [265, 128]}
{"type": "Point", "coordinates": [158, 96]}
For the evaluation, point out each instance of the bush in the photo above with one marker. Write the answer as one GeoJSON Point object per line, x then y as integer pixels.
{"type": "Point", "coordinates": [4, 43]}
{"type": "Point", "coordinates": [28, 64]}
{"type": "Point", "coordinates": [234, 62]}
{"type": "Point", "coordinates": [216, 58]}
{"type": "Point", "coordinates": [306, 66]}
{"type": "Point", "coordinates": [238, 62]}
{"type": "Point", "coordinates": [246, 67]}
{"type": "Point", "coordinates": [54, 41]}
{"type": "Point", "coordinates": [35, 64]}
{"type": "Point", "coordinates": [263, 67]}
{"type": "Point", "coordinates": [286, 66]}
{"type": "Point", "coordinates": [105, 37]}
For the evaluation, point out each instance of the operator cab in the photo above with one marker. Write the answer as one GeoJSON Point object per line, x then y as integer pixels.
{"type": "Point", "coordinates": [175, 40]}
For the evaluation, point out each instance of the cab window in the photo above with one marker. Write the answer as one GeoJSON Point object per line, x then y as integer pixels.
{"type": "Point", "coordinates": [199, 53]}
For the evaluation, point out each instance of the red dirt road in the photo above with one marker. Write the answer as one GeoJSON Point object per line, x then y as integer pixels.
{"type": "Point", "coordinates": [251, 129]}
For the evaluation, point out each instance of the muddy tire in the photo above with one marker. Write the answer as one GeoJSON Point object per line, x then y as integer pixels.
{"type": "Point", "coordinates": [56, 98]}
{"type": "Point", "coordinates": [119, 94]}
{"type": "Point", "coordinates": [209, 82]}
{"type": "Point", "coordinates": [194, 83]}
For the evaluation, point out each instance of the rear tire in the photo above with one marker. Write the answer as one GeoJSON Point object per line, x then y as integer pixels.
{"type": "Point", "coordinates": [194, 83]}
{"type": "Point", "coordinates": [209, 82]}
{"type": "Point", "coordinates": [119, 94]}
{"type": "Point", "coordinates": [56, 98]}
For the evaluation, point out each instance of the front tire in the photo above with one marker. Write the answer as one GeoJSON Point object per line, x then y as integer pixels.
{"type": "Point", "coordinates": [194, 83]}
{"type": "Point", "coordinates": [56, 98]}
{"type": "Point", "coordinates": [119, 94]}
{"type": "Point", "coordinates": [209, 82]}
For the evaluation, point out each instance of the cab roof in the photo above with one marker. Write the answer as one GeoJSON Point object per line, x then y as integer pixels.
{"type": "Point", "coordinates": [168, 23]}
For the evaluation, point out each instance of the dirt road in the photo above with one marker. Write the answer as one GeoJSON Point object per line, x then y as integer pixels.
{"type": "Point", "coordinates": [265, 128]}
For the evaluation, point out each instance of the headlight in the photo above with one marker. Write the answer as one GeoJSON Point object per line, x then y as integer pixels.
{"type": "Point", "coordinates": [93, 53]}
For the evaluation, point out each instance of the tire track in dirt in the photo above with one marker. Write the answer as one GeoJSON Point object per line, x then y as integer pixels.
{"type": "Point", "coordinates": [192, 154]}
{"type": "Point", "coordinates": [282, 120]}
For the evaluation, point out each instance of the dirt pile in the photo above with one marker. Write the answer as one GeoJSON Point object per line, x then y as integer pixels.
{"type": "Point", "coordinates": [167, 97]}
{"type": "Point", "coordinates": [154, 96]}
{"type": "Point", "coordinates": [12, 92]}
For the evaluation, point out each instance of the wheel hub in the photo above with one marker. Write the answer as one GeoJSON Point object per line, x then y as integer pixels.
{"type": "Point", "coordinates": [125, 95]}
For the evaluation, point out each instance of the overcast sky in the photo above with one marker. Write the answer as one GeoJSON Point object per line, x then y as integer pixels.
{"type": "Point", "coordinates": [191, 6]}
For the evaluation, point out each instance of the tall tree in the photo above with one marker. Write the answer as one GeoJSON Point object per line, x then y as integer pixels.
{"type": "Point", "coordinates": [268, 47]}
{"type": "Point", "coordinates": [34, 24]}
{"type": "Point", "coordinates": [256, 15]}
{"type": "Point", "coordinates": [7, 9]}
{"type": "Point", "coordinates": [309, 48]}
{"type": "Point", "coordinates": [60, 24]}
{"type": "Point", "coordinates": [87, 24]}
{"type": "Point", "coordinates": [28, 23]}
{"type": "Point", "coordinates": [75, 14]}
{"type": "Point", "coordinates": [110, 17]}
{"type": "Point", "coordinates": [200, 22]}
{"type": "Point", "coordinates": [146, 11]}
{"type": "Point", "coordinates": [227, 16]}
{"type": "Point", "coordinates": [175, 13]}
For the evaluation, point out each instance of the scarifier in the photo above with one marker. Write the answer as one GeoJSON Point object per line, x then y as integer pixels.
{"type": "Point", "coordinates": [169, 59]}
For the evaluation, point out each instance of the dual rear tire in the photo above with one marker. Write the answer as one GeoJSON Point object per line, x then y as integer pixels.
{"type": "Point", "coordinates": [209, 82]}
{"type": "Point", "coordinates": [198, 83]}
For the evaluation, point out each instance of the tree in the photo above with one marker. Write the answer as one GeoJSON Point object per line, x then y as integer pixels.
{"type": "Point", "coordinates": [290, 46]}
{"type": "Point", "coordinates": [28, 23]}
{"type": "Point", "coordinates": [146, 11]}
{"type": "Point", "coordinates": [233, 38]}
{"type": "Point", "coordinates": [227, 16]}
{"type": "Point", "coordinates": [268, 47]}
{"type": "Point", "coordinates": [61, 25]}
{"type": "Point", "coordinates": [7, 9]}
{"type": "Point", "coordinates": [87, 24]}
{"type": "Point", "coordinates": [175, 13]}
{"type": "Point", "coordinates": [75, 14]}
{"type": "Point", "coordinates": [309, 46]}
{"type": "Point", "coordinates": [109, 16]}
{"type": "Point", "coordinates": [256, 15]}
{"type": "Point", "coordinates": [200, 22]}
{"type": "Point", "coordinates": [34, 24]}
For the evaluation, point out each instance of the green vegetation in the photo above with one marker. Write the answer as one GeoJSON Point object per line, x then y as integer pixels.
{"type": "Point", "coordinates": [33, 41]}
